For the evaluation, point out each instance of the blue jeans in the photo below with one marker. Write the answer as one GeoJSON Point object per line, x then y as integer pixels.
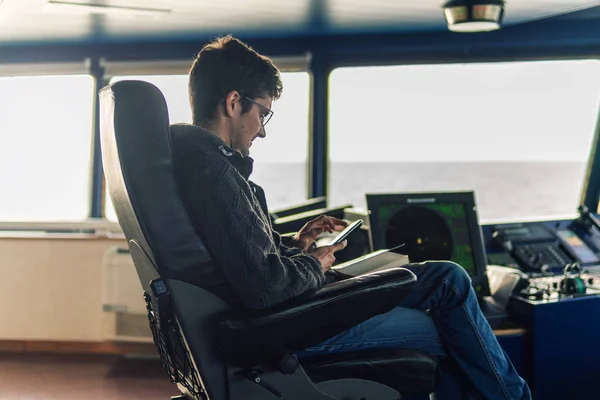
{"type": "Point", "coordinates": [440, 317]}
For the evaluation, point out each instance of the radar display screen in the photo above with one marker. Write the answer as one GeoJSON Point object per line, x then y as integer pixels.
{"type": "Point", "coordinates": [433, 226]}
{"type": "Point", "coordinates": [433, 231]}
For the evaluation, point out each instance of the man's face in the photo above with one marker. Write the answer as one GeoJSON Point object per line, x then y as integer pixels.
{"type": "Point", "coordinates": [250, 124]}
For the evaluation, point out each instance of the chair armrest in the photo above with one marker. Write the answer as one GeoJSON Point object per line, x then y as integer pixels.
{"type": "Point", "coordinates": [252, 337]}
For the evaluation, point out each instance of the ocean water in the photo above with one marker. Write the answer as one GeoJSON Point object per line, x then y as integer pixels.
{"type": "Point", "coordinates": [503, 190]}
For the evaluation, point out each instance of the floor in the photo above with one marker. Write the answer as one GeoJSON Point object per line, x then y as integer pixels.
{"type": "Point", "coordinates": [66, 377]}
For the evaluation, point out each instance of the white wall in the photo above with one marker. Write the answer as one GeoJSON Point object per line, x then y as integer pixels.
{"type": "Point", "coordinates": [51, 288]}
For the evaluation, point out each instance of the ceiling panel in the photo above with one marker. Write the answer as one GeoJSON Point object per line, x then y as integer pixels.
{"type": "Point", "coordinates": [200, 16]}
{"type": "Point", "coordinates": [22, 20]}
{"type": "Point", "coordinates": [25, 20]}
{"type": "Point", "coordinates": [428, 14]}
{"type": "Point", "coordinates": [28, 20]}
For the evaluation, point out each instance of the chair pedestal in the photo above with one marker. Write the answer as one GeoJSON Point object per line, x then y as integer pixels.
{"type": "Point", "coordinates": [358, 389]}
{"type": "Point", "coordinates": [298, 386]}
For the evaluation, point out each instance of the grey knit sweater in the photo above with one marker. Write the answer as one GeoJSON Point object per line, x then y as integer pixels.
{"type": "Point", "coordinates": [253, 266]}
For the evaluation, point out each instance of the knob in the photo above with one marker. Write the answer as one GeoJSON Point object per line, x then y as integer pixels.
{"type": "Point", "coordinates": [288, 364]}
{"type": "Point", "coordinates": [574, 285]}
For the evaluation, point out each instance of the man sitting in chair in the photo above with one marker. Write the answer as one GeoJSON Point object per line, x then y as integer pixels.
{"type": "Point", "coordinates": [231, 89]}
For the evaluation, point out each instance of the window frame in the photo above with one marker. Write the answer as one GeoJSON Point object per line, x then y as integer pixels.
{"type": "Point", "coordinates": [319, 64]}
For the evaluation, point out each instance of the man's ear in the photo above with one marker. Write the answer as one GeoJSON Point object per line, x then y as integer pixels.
{"type": "Point", "coordinates": [232, 103]}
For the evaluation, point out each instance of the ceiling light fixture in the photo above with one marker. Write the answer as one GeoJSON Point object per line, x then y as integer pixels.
{"type": "Point", "coordinates": [473, 15]}
{"type": "Point", "coordinates": [103, 9]}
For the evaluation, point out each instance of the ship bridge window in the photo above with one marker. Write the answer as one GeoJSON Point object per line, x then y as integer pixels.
{"type": "Point", "coordinates": [281, 159]}
{"type": "Point", "coordinates": [519, 133]}
{"type": "Point", "coordinates": [45, 147]}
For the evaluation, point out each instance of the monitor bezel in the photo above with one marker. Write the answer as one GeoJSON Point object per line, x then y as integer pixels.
{"type": "Point", "coordinates": [376, 200]}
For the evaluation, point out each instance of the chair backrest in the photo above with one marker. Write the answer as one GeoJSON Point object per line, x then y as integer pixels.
{"type": "Point", "coordinates": [137, 159]}
{"type": "Point", "coordinates": [163, 240]}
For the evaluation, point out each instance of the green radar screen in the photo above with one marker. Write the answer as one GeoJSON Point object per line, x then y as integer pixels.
{"type": "Point", "coordinates": [430, 232]}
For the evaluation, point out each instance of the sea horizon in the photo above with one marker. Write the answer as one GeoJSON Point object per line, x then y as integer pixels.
{"type": "Point", "coordinates": [503, 189]}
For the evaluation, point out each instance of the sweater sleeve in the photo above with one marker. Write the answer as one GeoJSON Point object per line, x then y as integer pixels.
{"type": "Point", "coordinates": [239, 237]}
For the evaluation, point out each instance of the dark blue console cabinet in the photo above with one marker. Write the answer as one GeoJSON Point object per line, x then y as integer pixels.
{"type": "Point", "coordinates": [562, 355]}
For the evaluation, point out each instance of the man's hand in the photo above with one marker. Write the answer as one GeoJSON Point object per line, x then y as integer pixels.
{"type": "Point", "coordinates": [325, 254]}
{"type": "Point", "coordinates": [309, 232]}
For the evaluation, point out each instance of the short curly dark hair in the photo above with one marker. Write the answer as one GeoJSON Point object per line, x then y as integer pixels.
{"type": "Point", "coordinates": [224, 65]}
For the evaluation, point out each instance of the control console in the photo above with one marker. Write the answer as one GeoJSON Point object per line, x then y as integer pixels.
{"type": "Point", "coordinates": [546, 276]}
{"type": "Point", "coordinates": [545, 247]}
{"type": "Point", "coordinates": [535, 287]}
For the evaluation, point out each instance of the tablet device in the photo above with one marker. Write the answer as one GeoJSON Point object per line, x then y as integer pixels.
{"type": "Point", "coordinates": [344, 234]}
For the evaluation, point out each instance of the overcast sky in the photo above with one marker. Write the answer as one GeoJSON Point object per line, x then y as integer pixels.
{"type": "Point", "coordinates": [511, 111]}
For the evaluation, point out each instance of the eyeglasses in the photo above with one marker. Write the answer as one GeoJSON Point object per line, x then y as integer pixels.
{"type": "Point", "coordinates": [264, 117]}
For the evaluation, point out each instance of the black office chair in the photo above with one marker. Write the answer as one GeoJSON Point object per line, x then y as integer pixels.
{"type": "Point", "coordinates": [208, 349]}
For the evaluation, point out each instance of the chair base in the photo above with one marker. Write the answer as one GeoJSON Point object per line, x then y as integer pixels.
{"type": "Point", "coordinates": [358, 389]}
{"type": "Point", "coordinates": [298, 386]}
